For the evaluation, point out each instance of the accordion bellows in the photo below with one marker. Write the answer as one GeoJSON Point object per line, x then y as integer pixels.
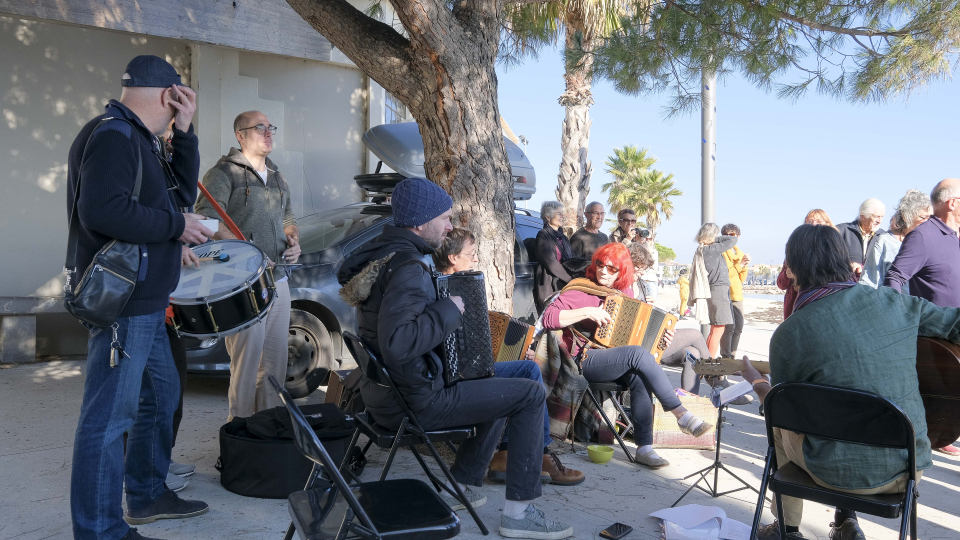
{"type": "Point", "coordinates": [510, 338]}
{"type": "Point", "coordinates": [635, 323]}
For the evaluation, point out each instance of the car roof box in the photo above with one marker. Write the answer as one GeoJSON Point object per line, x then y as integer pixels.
{"type": "Point", "coordinates": [400, 147]}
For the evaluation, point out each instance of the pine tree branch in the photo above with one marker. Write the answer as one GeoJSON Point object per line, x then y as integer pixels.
{"type": "Point", "coordinates": [859, 31]}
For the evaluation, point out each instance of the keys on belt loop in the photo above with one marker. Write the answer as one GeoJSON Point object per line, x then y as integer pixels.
{"type": "Point", "coordinates": [115, 346]}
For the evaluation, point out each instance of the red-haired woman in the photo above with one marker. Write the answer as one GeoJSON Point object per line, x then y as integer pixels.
{"type": "Point", "coordinates": [612, 268]}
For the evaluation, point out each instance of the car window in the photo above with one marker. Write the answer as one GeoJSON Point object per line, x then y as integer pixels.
{"type": "Point", "coordinates": [527, 233]}
{"type": "Point", "coordinates": [320, 231]}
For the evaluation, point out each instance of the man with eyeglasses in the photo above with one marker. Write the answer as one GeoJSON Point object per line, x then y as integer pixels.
{"type": "Point", "coordinates": [626, 231]}
{"type": "Point", "coordinates": [929, 258]}
{"type": "Point", "coordinates": [253, 192]}
{"type": "Point", "coordinates": [589, 238]}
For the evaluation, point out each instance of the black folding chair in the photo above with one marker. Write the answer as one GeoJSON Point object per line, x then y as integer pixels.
{"type": "Point", "coordinates": [612, 387]}
{"type": "Point", "coordinates": [395, 509]}
{"type": "Point", "coordinates": [409, 433]}
{"type": "Point", "coordinates": [843, 415]}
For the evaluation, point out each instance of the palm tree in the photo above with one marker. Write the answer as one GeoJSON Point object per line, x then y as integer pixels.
{"type": "Point", "coordinates": [647, 192]}
{"type": "Point", "coordinates": [627, 161]}
{"type": "Point", "coordinates": [582, 24]}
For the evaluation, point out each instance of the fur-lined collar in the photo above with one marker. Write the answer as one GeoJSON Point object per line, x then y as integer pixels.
{"type": "Point", "coordinates": [357, 290]}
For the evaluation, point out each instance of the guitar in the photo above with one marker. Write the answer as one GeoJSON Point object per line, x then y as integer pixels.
{"type": "Point", "coordinates": [938, 369]}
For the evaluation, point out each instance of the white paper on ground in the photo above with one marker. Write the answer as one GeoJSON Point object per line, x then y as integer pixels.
{"type": "Point", "coordinates": [731, 529]}
{"type": "Point", "coordinates": [708, 530]}
{"type": "Point", "coordinates": [689, 515]}
{"type": "Point", "coordinates": [731, 393]}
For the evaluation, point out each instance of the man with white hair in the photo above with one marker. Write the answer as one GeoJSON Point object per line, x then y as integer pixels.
{"type": "Point", "coordinates": [860, 234]}
{"type": "Point", "coordinates": [929, 258]}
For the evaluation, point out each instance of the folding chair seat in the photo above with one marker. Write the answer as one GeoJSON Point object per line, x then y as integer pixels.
{"type": "Point", "coordinates": [394, 509]}
{"type": "Point", "coordinates": [409, 433]}
{"type": "Point", "coordinates": [843, 415]}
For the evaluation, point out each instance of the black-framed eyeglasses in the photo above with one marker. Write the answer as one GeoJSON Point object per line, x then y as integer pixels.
{"type": "Point", "coordinates": [625, 220]}
{"type": "Point", "coordinates": [261, 129]}
{"type": "Point", "coordinates": [610, 269]}
{"type": "Point", "coordinates": [596, 213]}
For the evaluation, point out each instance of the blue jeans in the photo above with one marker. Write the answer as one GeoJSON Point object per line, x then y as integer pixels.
{"type": "Point", "coordinates": [524, 369]}
{"type": "Point", "coordinates": [139, 397]}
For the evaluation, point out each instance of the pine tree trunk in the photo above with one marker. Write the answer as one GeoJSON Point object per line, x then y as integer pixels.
{"type": "Point", "coordinates": [443, 70]}
{"type": "Point", "coordinates": [573, 182]}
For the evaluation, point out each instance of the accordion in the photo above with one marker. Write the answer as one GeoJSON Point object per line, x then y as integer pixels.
{"type": "Point", "coordinates": [510, 338]}
{"type": "Point", "coordinates": [635, 323]}
{"type": "Point", "coordinates": [466, 353]}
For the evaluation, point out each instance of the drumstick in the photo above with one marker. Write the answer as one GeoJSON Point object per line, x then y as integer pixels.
{"type": "Point", "coordinates": [223, 257]}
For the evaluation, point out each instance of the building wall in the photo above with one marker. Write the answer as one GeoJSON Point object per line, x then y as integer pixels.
{"type": "Point", "coordinates": [50, 86]}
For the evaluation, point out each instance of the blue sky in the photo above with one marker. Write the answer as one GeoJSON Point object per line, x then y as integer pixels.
{"type": "Point", "coordinates": [775, 159]}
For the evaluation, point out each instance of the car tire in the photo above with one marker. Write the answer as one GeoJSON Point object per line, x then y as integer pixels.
{"type": "Point", "coordinates": [309, 354]}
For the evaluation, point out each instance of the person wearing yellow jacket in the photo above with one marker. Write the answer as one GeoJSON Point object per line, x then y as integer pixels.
{"type": "Point", "coordinates": [684, 285]}
{"type": "Point", "coordinates": [737, 262]}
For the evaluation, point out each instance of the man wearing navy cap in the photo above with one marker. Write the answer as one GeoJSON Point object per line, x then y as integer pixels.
{"type": "Point", "coordinates": [402, 321]}
{"type": "Point", "coordinates": [139, 394]}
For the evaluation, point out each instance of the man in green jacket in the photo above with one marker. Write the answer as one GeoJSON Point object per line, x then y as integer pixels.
{"type": "Point", "coordinates": [851, 336]}
{"type": "Point", "coordinates": [250, 188]}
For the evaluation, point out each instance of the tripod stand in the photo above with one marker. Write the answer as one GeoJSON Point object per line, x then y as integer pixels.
{"type": "Point", "coordinates": [715, 467]}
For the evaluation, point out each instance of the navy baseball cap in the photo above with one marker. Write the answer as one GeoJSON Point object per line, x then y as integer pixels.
{"type": "Point", "coordinates": [151, 72]}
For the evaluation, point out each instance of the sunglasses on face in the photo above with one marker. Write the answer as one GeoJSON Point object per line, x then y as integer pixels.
{"type": "Point", "coordinates": [625, 220]}
{"type": "Point", "coordinates": [610, 269]}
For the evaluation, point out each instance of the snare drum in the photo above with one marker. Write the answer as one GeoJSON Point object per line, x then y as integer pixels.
{"type": "Point", "coordinates": [223, 297]}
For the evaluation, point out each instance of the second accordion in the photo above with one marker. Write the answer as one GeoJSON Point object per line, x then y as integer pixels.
{"type": "Point", "coordinates": [635, 323]}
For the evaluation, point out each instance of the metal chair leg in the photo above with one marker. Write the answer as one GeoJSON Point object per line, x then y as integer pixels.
{"type": "Point", "coordinates": [456, 486]}
{"type": "Point", "coordinates": [763, 490]}
{"type": "Point", "coordinates": [393, 449]}
{"type": "Point", "coordinates": [610, 425]}
{"type": "Point", "coordinates": [780, 524]}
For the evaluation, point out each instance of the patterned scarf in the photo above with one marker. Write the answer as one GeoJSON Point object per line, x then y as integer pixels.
{"type": "Point", "coordinates": [807, 296]}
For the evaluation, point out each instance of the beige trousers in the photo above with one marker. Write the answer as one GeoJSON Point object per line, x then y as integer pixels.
{"type": "Point", "coordinates": [789, 447]}
{"type": "Point", "coordinates": [257, 352]}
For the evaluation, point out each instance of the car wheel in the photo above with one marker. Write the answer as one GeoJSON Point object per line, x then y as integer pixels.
{"type": "Point", "coordinates": [309, 354]}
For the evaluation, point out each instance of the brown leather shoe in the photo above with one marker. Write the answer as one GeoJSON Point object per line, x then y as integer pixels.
{"type": "Point", "coordinates": [498, 469]}
{"type": "Point", "coordinates": [559, 474]}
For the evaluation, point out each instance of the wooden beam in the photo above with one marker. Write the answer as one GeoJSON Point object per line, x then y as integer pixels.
{"type": "Point", "coordinates": [268, 26]}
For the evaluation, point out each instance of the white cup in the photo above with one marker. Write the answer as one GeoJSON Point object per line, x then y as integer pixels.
{"type": "Point", "coordinates": [212, 224]}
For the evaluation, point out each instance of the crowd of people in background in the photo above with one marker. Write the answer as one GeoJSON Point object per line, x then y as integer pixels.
{"type": "Point", "coordinates": [918, 255]}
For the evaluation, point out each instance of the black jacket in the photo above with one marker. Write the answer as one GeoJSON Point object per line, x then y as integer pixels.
{"type": "Point", "coordinates": [402, 323]}
{"type": "Point", "coordinates": [854, 240]}
{"type": "Point", "coordinates": [106, 211]}
{"type": "Point", "coordinates": [550, 276]}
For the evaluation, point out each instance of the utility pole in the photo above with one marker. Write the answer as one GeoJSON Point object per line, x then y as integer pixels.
{"type": "Point", "coordinates": [708, 156]}
{"type": "Point", "coordinates": [708, 148]}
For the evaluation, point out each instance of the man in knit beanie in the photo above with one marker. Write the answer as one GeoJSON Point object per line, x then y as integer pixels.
{"type": "Point", "coordinates": [402, 321]}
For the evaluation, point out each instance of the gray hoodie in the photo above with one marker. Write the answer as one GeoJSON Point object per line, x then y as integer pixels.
{"type": "Point", "coordinates": [260, 211]}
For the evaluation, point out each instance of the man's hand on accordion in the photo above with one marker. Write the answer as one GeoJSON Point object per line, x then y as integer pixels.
{"type": "Point", "coordinates": [458, 301]}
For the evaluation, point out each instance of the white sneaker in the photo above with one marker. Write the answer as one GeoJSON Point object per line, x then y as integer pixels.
{"type": "Point", "coordinates": [176, 483]}
{"type": "Point", "coordinates": [475, 498]}
{"type": "Point", "coordinates": [182, 469]}
{"type": "Point", "coordinates": [534, 525]}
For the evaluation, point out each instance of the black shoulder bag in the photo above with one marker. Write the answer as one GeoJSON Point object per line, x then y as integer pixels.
{"type": "Point", "coordinates": [109, 281]}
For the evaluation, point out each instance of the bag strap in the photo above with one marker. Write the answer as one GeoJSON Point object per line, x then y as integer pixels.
{"type": "Point", "coordinates": [74, 236]}
{"type": "Point", "coordinates": [406, 261]}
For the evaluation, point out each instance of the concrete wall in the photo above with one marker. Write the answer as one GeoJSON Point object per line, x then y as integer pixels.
{"type": "Point", "coordinates": [54, 78]}
{"type": "Point", "coordinates": [50, 86]}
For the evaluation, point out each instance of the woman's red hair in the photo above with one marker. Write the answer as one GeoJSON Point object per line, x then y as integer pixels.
{"type": "Point", "coordinates": [615, 254]}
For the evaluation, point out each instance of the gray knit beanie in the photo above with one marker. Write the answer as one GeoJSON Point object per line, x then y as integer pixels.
{"type": "Point", "coordinates": [416, 201]}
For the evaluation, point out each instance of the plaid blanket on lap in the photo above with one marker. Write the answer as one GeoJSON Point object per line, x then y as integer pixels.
{"type": "Point", "coordinates": [570, 414]}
